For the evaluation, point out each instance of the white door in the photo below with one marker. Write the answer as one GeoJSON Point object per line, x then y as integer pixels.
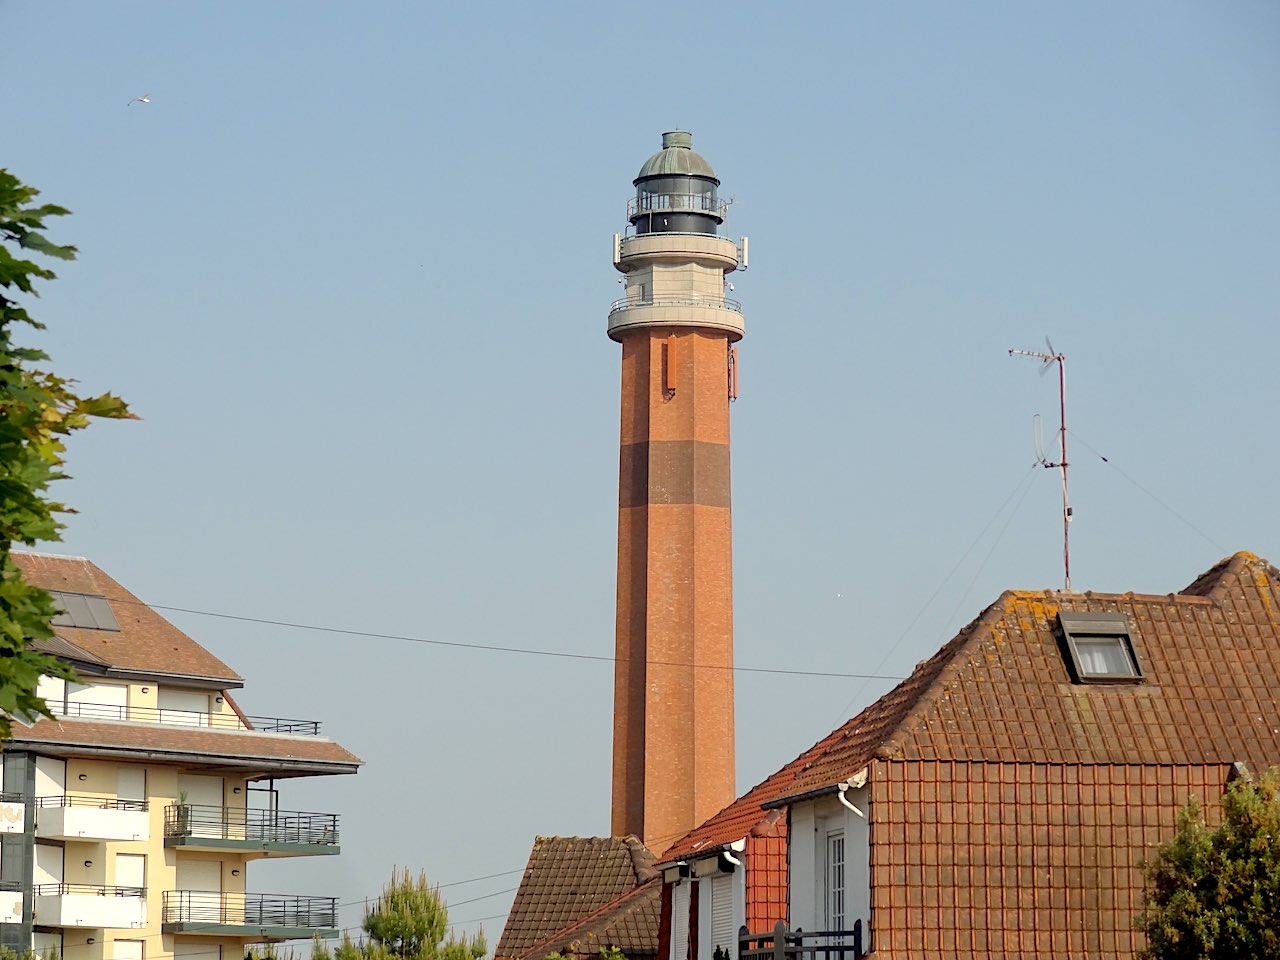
{"type": "Point", "coordinates": [46, 944]}
{"type": "Point", "coordinates": [199, 875]}
{"type": "Point", "coordinates": [131, 870]}
{"type": "Point", "coordinates": [835, 880]}
{"type": "Point", "coordinates": [190, 707]}
{"type": "Point", "coordinates": [48, 864]}
{"type": "Point", "coordinates": [98, 701]}
{"type": "Point", "coordinates": [51, 777]}
{"type": "Point", "coordinates": [127, 950]}
{"type": "Point", "coordinates": [196, 951]}
{"type": "Point", "coordinates": [131, 783]}
{"type": "Point", "coordinates": [205, 795]}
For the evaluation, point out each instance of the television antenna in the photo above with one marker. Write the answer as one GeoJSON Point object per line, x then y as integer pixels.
{"type": "Point", "coordinates": [1047, 360]}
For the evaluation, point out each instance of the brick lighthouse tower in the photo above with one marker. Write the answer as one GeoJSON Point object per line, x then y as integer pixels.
{"type": "Point", "coordinates": [673, 756]}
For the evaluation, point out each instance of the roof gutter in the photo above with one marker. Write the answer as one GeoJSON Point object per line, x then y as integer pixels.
{"type": "Point", "coordinates": [859, 779]}
{"type": "Point", "coordinates": [706, 853]}
{"type": "Point", "coordinates": [266, 764]}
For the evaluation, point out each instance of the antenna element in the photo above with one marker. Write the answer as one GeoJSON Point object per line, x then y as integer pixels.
{"type": "Point", "coordinates": [1061, 361]}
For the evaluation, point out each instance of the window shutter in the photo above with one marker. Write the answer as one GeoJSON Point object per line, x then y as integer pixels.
{"type": "Point", "coordinates": [680, 922]}
{"type": "Point", "coordinates": [722, 929]}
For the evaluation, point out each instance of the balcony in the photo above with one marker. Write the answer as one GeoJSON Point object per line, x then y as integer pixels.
{"type": "Point", "coordinates": [273, 832]}
{"type": "Point", "coordinates": [185, 718]}
{"type": "Point", "coordinates": [264, 916]}
{"type": "Point", "coordinates": [784, 944]}
{"type": "Point", "coordinates": [89, 905]}
{"type": "Point", "coordinates": [92, 818]}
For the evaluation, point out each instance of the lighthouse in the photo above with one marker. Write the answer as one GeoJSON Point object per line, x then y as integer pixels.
{"type": "Point", "coordinates": [673, 749]}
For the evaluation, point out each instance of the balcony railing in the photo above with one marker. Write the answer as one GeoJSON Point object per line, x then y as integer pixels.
{"type": "Point", "coordinates": [784, 944]}
{"type": "Point", "coordinates": [719, 303]}
{"type": "Point", "coordinates": [677, 203]}
{"type": "Point", "coordinates": [96, 803]}
{"type": "Point", "coordinates": [185, 718]}
{"type": "Point", "coordinates": [186, 910]}
{"type": "Point", "coordinates": [255, 826]}
{"type": "Point", "coordinates": [85, 890]}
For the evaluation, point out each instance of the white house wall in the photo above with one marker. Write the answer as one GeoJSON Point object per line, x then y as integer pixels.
{"type": "Point", "coordinates": [811, 823]}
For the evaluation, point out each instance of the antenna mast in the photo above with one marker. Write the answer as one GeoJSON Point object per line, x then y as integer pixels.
{"type": "Point", "coordinates": [1060, 359]}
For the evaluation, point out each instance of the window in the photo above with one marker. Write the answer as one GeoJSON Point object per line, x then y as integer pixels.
{"type": "Point", "coordinates": [1099, 648]}
{"type": "Point", "coordinates": [835, 880]}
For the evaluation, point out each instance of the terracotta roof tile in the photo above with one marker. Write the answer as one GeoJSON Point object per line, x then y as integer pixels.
{"type": "Point", "coordinates": [165, 738]}
{"type": "Point", "coordinates": [1033, 861]}
{"type": "Point", "coordinates": [568, 879]}
{"type": "Point", "coordinates": [628, 922]}
{"type": "Point", "coordinates": [145, 643]}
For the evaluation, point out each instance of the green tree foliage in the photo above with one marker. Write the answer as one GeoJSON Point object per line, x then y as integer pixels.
{"type": "Point", "coordinates": [1215, 893]}
{"type": "Point", "coordinates": [409, 921]}
{"type": "Point", "coordinates": [38, 410]}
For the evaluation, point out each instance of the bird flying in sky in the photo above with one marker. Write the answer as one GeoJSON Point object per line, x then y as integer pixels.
{"type": "Point", "coordinates": [145, 98]}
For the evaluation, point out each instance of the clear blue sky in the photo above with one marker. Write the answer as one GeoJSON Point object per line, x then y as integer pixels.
{"type": "Point", "coordinates": [352, 266]}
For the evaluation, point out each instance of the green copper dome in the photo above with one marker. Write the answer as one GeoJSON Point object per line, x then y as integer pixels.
{"type": "Point", "coordinates": [676, 159]}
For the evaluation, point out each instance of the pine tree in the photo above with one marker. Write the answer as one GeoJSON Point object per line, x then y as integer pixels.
{"type": "Point", "coordinates": [409, 921]}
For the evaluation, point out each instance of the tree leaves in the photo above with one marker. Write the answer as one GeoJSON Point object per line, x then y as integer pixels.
{"type": "Point", "coordinates": [1215, 893]}
{"type": "Point", "coordinates": [38, 409]}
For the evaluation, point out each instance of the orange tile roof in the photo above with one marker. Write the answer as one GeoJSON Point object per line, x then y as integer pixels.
{"type": "Point", "coordinates": [569, 879]}
{"type": "Point", "coordinates": [145, 643]}
{"type": "Point", "coordinates": [1000, 691]}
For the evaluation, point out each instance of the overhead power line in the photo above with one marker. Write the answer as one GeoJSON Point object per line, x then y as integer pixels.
{"type": "Point", "coordinates": [495, 648]}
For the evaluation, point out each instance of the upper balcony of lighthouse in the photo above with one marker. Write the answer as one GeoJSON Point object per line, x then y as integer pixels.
{"type": "Point", "coordinates": [673, 257]}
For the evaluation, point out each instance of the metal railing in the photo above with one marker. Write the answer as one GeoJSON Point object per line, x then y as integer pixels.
{"type": "Point", "coordinates": [257, 826]}
{"type": "Point", "coordinates": [185, 718]}
{"type": "Point", "coordinates": [720, 303]}
{"type": "Point", "coordinates": [99, 803]}
{"type": "Point", "coordinates": [677, 203]}
{"type": "Point", "coordinates": [250, 909]}
{"type": "Point", "coordinates": [784, 944]}
{"type": "Point", "coordinates": [86, 890]}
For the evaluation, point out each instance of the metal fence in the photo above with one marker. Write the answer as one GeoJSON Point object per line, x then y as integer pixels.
{"type": "Point", "coordinates": [259, 826]}
{"type": "Point", "coordinates": [85, 890]}
{"type": "Point", "coordinates": [98, 803]}
{"type": "Point", "coordinates": [250, 909]}
{"type": "Point", "coordinates": [784, 944]}
{"type": "Point", "coordinates": [185, 718]}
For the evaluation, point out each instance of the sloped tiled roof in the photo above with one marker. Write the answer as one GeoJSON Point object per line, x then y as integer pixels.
{"type": "Point", "coordinates": [145, 642]}
{"type": "Point", "coordinates": [247, 748]}
{"type": "Point", "coordinates": [629, 922]}
{"type": "Point", "coordinates": [1000, 691]}
{"type": "Point", "coordinates": [568, 879]}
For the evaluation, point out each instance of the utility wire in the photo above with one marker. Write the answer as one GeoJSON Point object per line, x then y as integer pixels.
{"type": "Point", "coordinates": [1107, 460]}
{"type": "Point", "coordinates": [933, 596]}
{"type": "Point", "coordinates": [342, 631]}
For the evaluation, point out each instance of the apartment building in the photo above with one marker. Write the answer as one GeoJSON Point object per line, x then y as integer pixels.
{"type": "Point", "coordinates": [128, 823]}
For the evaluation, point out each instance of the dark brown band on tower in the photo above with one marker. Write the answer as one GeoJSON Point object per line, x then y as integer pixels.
{"type": "Point", "coordinates": [674, 471]}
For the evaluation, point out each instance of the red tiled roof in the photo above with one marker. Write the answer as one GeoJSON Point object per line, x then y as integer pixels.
{"type": "Point", "coordinates": [1034, 861]}
{"type": "Point", "coordinates": [145, 643]}
{"type": "Point", "coordinates": [297, 753]}
{"type": "Point", "coordinates": [628, 922]}
{"type": "Point", "coordinates": [1000, 691]}
{"type": "Point", "coordinates": [567, 880]}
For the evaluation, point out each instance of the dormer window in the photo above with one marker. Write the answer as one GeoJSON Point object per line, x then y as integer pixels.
{"type": "Point", "coordinates": [1099, 648]}
{"type": "Point", "coordinates": [84, 610]}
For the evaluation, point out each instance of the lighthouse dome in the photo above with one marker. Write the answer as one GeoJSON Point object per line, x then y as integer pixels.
{"type": "Point", "coordinates": [676, 159]}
